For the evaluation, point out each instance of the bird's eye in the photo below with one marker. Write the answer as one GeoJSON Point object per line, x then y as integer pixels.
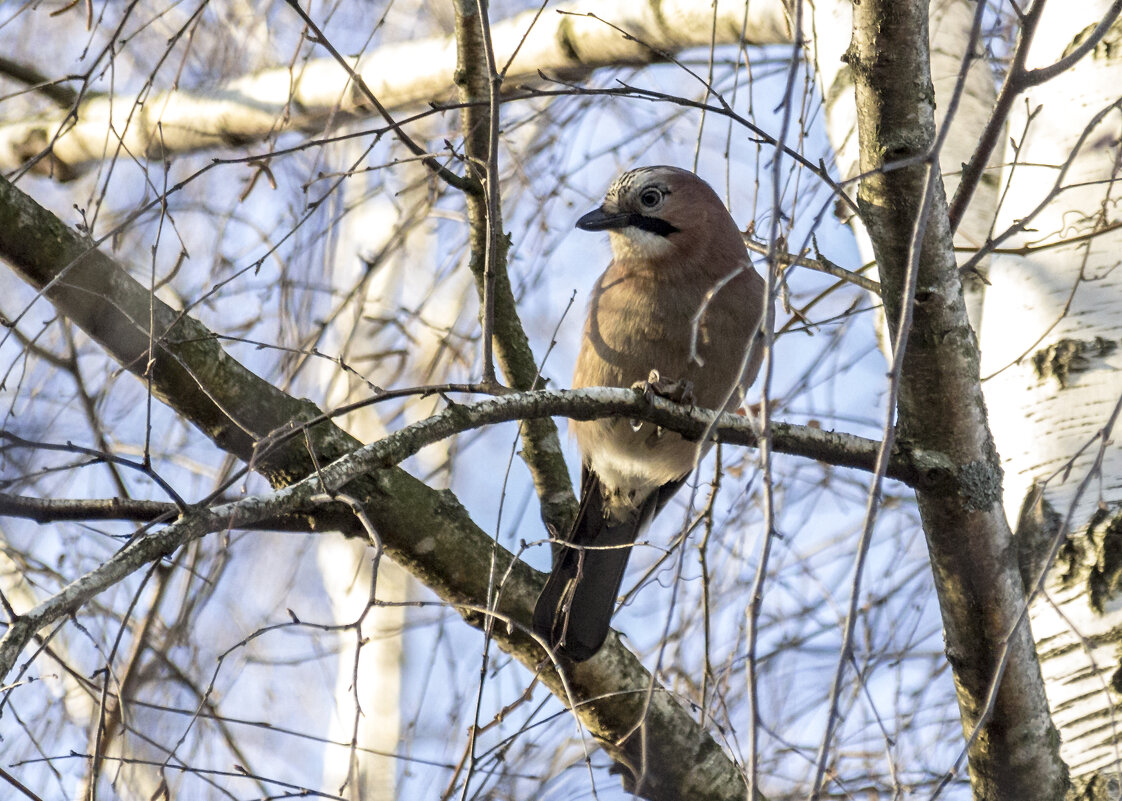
{"type": "Point", "coordinates": [650, 197]}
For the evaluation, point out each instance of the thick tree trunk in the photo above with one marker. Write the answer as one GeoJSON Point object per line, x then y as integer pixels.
{"type": "Point", "coordinates": [1011, 751]}
{"type": "Point", "coordinates": [1050, 341]}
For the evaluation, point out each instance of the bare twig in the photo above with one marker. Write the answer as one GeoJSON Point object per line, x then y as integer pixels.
{"type": "Point", "coordinates": [468, 185]}
{"type": "Point", "coordinates": [1017, 81]}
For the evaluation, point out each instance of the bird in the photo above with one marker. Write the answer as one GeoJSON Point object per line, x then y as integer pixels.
{"type": "Point", "coordinates": [677, 312]}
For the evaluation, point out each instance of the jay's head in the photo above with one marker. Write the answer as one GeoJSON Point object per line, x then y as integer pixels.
{"type": "Point", "coordinates": [658, 212]}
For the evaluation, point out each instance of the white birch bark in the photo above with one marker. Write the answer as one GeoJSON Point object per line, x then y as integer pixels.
{"type": "Point", "coordinates": [1055, 371]}
{"type": "Point", "coordinates": [829, 35]}
{"type": "Point", "coordinates": [356, 773]}
{"type": "Point", "coordinates": [404, 280]}
{"type": "Point", "coordinates": [401, 75]}
{"type": "Point", "coordinates": [367, 712]}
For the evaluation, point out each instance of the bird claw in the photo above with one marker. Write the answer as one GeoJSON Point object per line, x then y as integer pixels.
{"type": "Point", "coordinates": [676, 390]}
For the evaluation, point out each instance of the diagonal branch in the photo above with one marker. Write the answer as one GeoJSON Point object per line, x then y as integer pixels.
{"type": "Point", "coordinates": [426, 531]}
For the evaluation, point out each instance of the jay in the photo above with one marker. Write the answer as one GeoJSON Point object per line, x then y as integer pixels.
{"type": "Point", "coordinates": [677, 311]}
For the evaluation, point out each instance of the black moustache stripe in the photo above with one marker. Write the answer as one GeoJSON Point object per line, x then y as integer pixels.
{"type": "Point", "coordinates": [652, 224]}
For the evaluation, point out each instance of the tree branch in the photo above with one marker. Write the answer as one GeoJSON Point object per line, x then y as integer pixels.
{"type": "Point", "coordinates": [427, 532]}
{"type": "Point", "coordinates": [53, 90]}
{"type": "Point", "coordinates": [478, 85]}
{"type": "Point", "coordinates": [400, 75]}
{"type": "Point", "coordinates": [56, 510]}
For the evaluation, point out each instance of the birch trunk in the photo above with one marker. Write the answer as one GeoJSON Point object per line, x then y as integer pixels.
{"type": "Point", "coordinates": [369, 713]}
{"type": "Point", "coordinates": [950, 26]}
{"type": "Point", "coordinates": [1049, 346]}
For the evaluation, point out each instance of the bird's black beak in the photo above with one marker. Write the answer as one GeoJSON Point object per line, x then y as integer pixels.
{"type": "Point", "coordinates": [600, 220]}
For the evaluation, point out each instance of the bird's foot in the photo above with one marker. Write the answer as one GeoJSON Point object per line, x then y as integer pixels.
{"type": "Point", "coordinates": [676, 390]}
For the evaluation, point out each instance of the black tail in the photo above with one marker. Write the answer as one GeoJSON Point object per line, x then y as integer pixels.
{"type": "Point", "coordinates": [574, 611]}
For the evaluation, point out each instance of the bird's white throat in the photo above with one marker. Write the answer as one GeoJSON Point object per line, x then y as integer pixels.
{"type": "Point", "coordinates": [635, 243]}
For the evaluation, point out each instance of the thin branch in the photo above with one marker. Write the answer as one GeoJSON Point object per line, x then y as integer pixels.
{"type": "Point", "coordinates": [491, 187]}
{"type": "Point", "coordinates": [62, 96]}
{"type": "Point", "coordinates": [99, 456]}
{"type": "Point", "coordinates": [1016, 82]}
{"type": "Point", "coordinates": [1040, 75]}
{"type": "Point", "coordinates": [888, 438]}
{"type": "Point", "coordinates": [464, 184]}
{"type": "Point", "coordinates": [58, 510]}
{"type": "Point", "coordinates": [821, 265]}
